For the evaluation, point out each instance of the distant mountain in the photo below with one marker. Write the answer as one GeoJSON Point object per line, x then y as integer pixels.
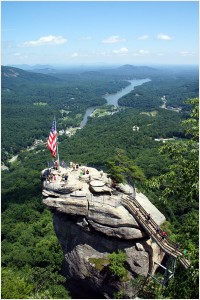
{"type": "Point", "coordinates": [12, 78]}
{"type": "Point", "coordinates": [23, 66]}
{"type": "Point", "coordinates": [130, 68]}
{"type": "Point", "coordinates": [30, 68]}
{"type": "Point", "coordinates": [131, 71]}
{"type": "Point", "coordinates": [88, 71]}
{"type": "Point", "coordinates": [45, 70]}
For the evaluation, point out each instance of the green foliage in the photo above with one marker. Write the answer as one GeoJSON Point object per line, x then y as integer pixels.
{"type": "Point", "coordinates": [116, 265]}
{"type": "Point", "coordinates": [96, 143]}
{"type": "Point", "coordinates": [180, 190]}
{"type": "Point", "coordinates": [13, 285]}
{"type": "Point", "coordinates": [36, 283]}
{"type": "Point", "coordinates": [183, 286]}
{"type": "Point", "coordinates": [120, 294]}
{"type": "Point", "coordinates": [99, 263]}
{"type": "Point", "coordinates": [47, 281]}
{"type": "Point", "coordinates": [181, 181]}
{"type": "Point", "coordinates": [72, 93]}
{"type": "Point", "coordinates": [31, 254]}
{"type": "Point", "coordinates": [123, 169]}
{"type": "Point", "coordinates": [192, 123]}
{"type": "Point", "coordinates": [176, 86]}
{"type": "Point", "coordinates": [152, 289]}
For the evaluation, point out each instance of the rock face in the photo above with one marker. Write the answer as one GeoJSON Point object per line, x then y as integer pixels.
{"type": "Point", "coordinates": [91, 223]}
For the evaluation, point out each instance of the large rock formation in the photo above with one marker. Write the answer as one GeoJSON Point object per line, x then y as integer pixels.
{"type": "Point", "coordinates": [91, 223]}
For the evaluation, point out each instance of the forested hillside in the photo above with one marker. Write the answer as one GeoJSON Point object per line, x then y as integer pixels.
{"type": "Point", "coordinates": [31, 254]}
{"type": "Point", "coordinates": [29, 99]}
{"type": "Point", "coordinates": [175, 88]}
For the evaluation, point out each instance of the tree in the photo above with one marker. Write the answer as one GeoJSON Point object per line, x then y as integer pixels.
{"type": "Point", "coordinates": [122, 168]}
{"type": "Point", "coordinates": [179, 189]}
{"type": "Point", "coordinates": [116, 265]}
{"type": "Point", "coordinates": [182, 181]}
{"type": "Point", "coordinates": [14, 286]}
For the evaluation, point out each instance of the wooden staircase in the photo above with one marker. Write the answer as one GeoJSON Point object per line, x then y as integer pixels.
{"type": "Point", "coordinates": [150, 226]}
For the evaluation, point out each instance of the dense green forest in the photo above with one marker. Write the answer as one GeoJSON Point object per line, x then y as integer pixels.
{"type": "Point", "coordinates": [29, 100]}
{"type": "Point", "coordinates": [175, 87]}
{"type": "Point", "coordinates": [31, 254]}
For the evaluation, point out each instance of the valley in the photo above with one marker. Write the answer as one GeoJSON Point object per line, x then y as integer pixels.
{"type": "Point", "coordinates": [108, 135]}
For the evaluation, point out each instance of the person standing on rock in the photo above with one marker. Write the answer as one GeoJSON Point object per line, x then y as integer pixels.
{"type": "Point", "coordinates": [148, 217]}
{"type": "Point", "coordinates": [177, 246]}
{"type": "Point", "coordinates": [164, 235]}
{"type": "Point", "coordinates": [158, 229]}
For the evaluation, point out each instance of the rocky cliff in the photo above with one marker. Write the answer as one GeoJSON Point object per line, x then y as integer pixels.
{"type": "Point", "coordinates": [91, 223]}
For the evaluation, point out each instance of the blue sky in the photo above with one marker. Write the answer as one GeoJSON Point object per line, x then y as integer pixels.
{"type": "Point", "coordinates": [90, 32]}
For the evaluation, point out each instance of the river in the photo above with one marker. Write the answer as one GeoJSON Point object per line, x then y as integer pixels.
{"type": "Point", "coordinates": [112, 99]}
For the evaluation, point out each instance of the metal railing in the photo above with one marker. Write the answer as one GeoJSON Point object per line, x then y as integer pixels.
{"type": "Point", "coordinates": [150, 226]}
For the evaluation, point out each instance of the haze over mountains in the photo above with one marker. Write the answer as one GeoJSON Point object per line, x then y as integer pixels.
{"type": "Point", "coordinates": [46, 69]}
{"type": "Point", "coordinates": [39, 74]}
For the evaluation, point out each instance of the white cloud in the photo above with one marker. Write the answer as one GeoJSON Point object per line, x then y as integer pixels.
{"type": "Point", "coordinates": [144, 51]}
{"type": "Point", "coordinates": [141, 52]}
{"type": "Point", "coordinates": [19, 56]}
{"type": "Point", "coordinates": [113, 39]}
{"type": "Point", "coordinates": [143, 37]}
{"type": "Point", "coordinates": [162, 36]}
{"type": "Point", "coordinates": [121, 51]}
{"type": "Point", "coordinates": [47, 40]}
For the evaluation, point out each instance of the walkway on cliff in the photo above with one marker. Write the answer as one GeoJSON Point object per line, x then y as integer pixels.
{"type": "Point", "coordinates": [150, 226]}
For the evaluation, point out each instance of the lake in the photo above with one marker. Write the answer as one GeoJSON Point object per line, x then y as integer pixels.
{"type": "Point", "coordinates": [112, 99]}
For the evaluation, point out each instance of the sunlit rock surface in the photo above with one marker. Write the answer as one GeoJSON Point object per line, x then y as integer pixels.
{"type": "Point", "coordinates": [91, 222]}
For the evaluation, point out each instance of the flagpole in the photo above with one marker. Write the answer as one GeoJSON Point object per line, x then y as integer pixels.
{"type": "Point", "coordinates": [57, 153]}
{"type": "Point", "coordinates": [58, 159]}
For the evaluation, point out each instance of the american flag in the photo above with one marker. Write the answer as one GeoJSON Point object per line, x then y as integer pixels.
{"type": "Point", "coordinates": [51, 144]}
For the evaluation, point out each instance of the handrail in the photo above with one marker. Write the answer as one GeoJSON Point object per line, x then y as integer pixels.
{"type": "Point", "coordinates": [167, 244]}
{"type": "Point", "coordinates": [165, 247]}
{"type": "Point", "coordinates": [150, 226]}
{"type": "Point", "coordinates": [156, 225]}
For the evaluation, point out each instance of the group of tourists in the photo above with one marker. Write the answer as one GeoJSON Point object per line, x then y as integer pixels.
{"type": "Point", "coordinates": [164, 234]}
{"type": "Point", "coordinates": [74, 166]}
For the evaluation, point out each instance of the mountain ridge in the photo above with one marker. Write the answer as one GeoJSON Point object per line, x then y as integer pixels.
{"type": "Point", "coordinates": [12, 77]}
